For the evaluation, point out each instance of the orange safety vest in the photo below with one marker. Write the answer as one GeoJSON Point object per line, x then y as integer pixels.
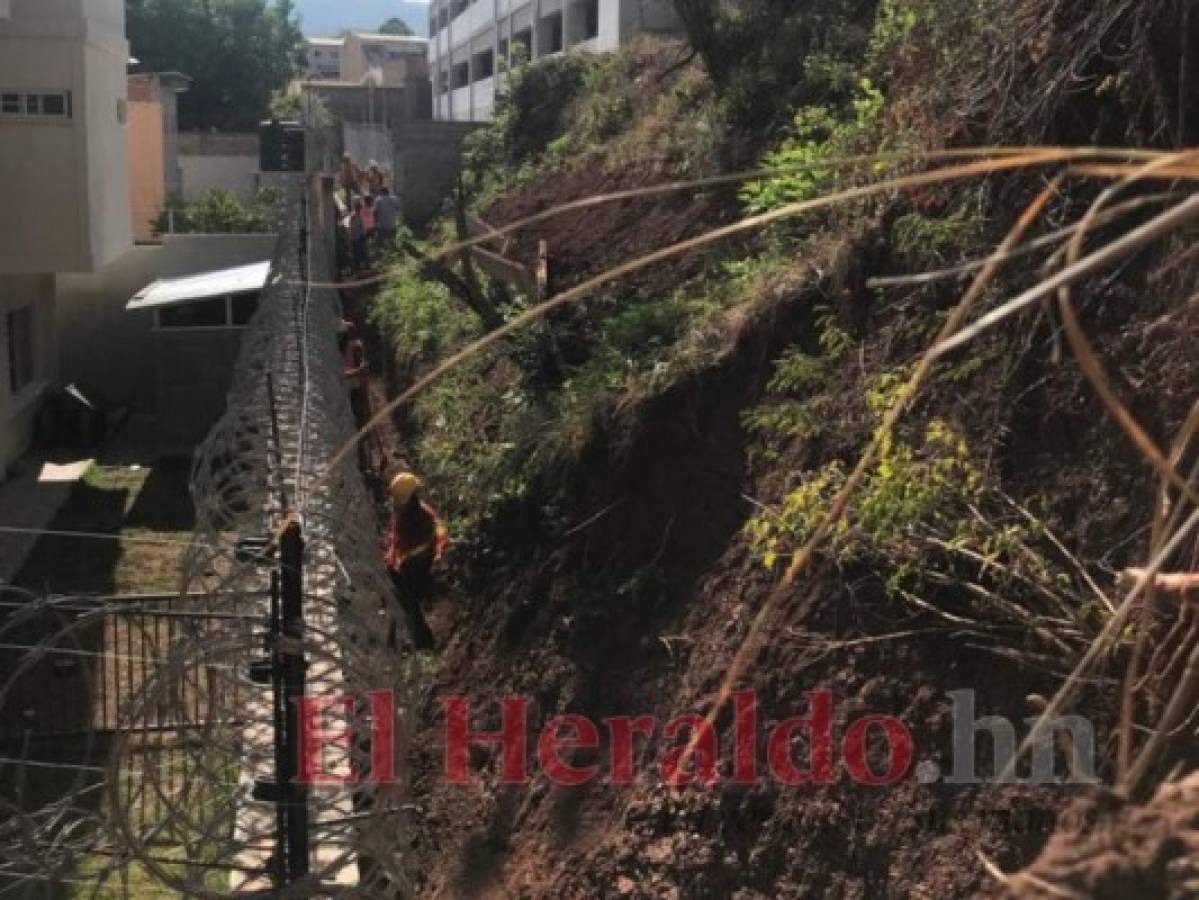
{"type": "Point", "coordinates": [408, 541]}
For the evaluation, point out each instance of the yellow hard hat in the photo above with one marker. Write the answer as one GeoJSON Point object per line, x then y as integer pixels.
{"type": "Point", "coordinates": [403, 486]}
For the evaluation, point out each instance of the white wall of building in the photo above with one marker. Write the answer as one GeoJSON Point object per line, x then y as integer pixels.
{"type": "Point", "coordinates": [556, 25]}
{"type": "Point", "coordinates": [64, 181]}
{"type": "Point", "coordinates": [64, 177]}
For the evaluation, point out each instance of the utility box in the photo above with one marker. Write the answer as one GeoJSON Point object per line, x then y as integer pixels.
{"type": "Point", "coordinates": [281, 146]}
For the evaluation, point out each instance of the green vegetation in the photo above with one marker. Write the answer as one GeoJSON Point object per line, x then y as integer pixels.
{"type": "Point", "coordinates": [235, 51]}
{"type": "Point", "coordinates": [218, 211]}
{"type": "Point", "coordinates": [395, 25]}
{"type": "Point", "coordinates": [785, 86]}
{"type": "Point", "coordinates": [818, 133]}
{"type": "Point", "coordinates": [145, 504]}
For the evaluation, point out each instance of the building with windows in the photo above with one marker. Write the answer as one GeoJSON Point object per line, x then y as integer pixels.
{"type": "Point", "coordinates": [472, 42]}
{"type": "Point", "coordinates": [389, 60]}
{"type": "Point", "coordinates": [323, 58]}
{"type": "Point", "coordinates": [64, 179]}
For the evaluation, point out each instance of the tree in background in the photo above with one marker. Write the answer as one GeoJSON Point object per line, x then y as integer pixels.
{"type": "Point", "coordinates": [768, 56]}
{"type": "Point", "coordinates": [395, 25]}
{"type": "Point", "coordinates": [236, 51]}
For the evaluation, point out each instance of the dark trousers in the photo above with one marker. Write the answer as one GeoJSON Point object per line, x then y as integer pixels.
{"type": "Point", "coordinates": [385, 239]}
{"type": "Point", "coordinates": [362, 253]}
{"type": "Point", "coordinates": [413, 582]}
{"type": "Point", "coordinates": [360, 406]}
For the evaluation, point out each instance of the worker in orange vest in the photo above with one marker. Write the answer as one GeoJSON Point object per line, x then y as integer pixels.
{"type": "Point", "coordinates": [355, 370]}
{"type": "Point", "coordinates": [415, 540]}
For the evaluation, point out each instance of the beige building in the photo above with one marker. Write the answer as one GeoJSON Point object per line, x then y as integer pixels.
{"type": "Point", "coordinates": [389, 60]}
{"type": "Point", "coordinates": [63, 177]}
{"type": "Point", "coordinates": [323, 56]}
{"type": "Point", "coordinates": [154, 171]}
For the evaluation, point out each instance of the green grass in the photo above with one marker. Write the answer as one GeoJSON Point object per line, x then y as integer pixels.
{"type": "Point", "coordinates": [147, 503]}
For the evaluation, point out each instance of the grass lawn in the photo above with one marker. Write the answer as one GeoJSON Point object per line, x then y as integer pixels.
{"type": "Point", "coordinates": [150, 502]}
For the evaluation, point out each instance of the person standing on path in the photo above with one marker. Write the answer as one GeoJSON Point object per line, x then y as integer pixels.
{"type": "Point", "coordinates": [415, 540]}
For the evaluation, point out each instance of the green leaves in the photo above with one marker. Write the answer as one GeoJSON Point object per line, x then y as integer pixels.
{"type": "Point", "coordinates": [221, 212]}
{"type": "Point", "coordinates": [236, 52]}
{"type": "Point", "coordinates": [818, 133]}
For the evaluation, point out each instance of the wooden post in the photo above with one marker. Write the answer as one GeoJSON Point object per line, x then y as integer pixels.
{"type": "Point", "coordinates": [543, 271]}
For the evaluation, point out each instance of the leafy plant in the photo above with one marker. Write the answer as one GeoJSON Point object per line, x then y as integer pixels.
{"type": "Point", "coordinates": [218, 211]}
{"type": "Point", "coordinates": [910, 487]}
{"type": "Point", "coordinates": [817, 134]}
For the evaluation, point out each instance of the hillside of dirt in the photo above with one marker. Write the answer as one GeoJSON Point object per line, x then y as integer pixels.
{"type": "Point", "coordinates": [629, 481]}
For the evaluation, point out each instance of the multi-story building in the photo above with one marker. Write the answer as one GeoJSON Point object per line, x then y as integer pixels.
{"type": "Point", "coordinates": [324, 58]}
{"type": "Point", "coordinates": [473, 42]}
{"type": "Point", "coordinates": [391, 59]}
{"type": "Point", "coordinates": [63, 177]}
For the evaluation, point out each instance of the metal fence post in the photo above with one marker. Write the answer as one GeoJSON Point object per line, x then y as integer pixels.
{"type": "Point", "coordinates": [294, 794]}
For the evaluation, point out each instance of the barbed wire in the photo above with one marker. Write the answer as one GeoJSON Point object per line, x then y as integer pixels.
{"type": "Point", "coordinates": [172, 768]}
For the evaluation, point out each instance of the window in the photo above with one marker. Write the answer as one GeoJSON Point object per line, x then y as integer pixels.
{"type": "Point", "coordinates": [460, 75]}
{"type": "Point", "coordinates": [201, 314]}
{"type": "Point", "coordinates": [550, 34]}
{"type": "Point", "coordinates": [19, 323]}
{"type": "Point", "coordinates": [244, 306]}
{"type": "Point", "coordinates": [443, 17]}
{"type": "Point", "coordinates": [590, 19]}
{"type": "Point", "coordinates": [36, 105]}
{"type": "Point", "coordinates": [522, 45]}
{"type": "Point", "coordinates": [444, 80]}
{"type": "Point", "coordinates": [484, 65]}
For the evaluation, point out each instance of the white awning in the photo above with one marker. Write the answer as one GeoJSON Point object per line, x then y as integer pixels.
{"type": "Point", "coordinates": [174, 291]}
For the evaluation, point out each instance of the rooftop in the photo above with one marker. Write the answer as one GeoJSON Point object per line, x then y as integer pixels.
{"type": "Point", "coordinates": [173, 291]}
{"type": "Point", "coordinates": [374, 37]}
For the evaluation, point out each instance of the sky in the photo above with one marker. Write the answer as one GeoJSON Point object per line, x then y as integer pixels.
{"type": "Point", "coordinates": [323, 18]}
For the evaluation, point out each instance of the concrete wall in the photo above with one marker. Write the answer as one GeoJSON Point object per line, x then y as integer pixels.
{"type": "Point", "coordinates": [105, 350]}
{"type": "Point", "coordinates": [110, 352]}
{"type": "Point", "coordinates": [192, 372]}
{"type": "Point", "coordinates": [227, 162]}
{"type": "Point", "coordinates": [64, 179]}
{"type": "Point", "coordinates": [17, 411]}
{"type": "Point", "coordinates": [428, 158]}
{"type": "Point", "coordinates": [190, 254]}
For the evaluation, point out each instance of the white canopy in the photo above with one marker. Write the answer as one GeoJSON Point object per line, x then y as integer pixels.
{"type": "Point", "coordinates": [188, 289]}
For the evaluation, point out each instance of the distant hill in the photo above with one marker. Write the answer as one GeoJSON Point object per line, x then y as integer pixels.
{"type": "Point", "coordinates": [323, 18]}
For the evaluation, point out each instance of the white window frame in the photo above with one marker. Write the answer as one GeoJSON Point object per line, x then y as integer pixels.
{"type": "Point", "coordinates": [226, 325]}
{"type": "Point", "coordinates": [27, 99]}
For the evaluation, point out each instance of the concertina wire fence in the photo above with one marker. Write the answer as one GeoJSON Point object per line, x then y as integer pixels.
{"type": "Point", "coordinates": [175, 787]}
